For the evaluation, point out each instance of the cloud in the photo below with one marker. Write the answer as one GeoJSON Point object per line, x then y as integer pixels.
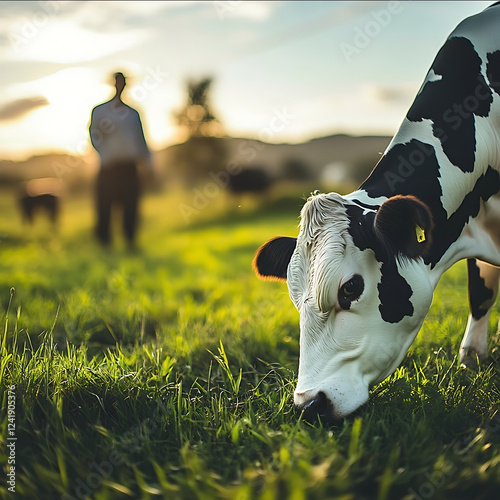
{"type": "Point", "coordinates": [387, 94]}
{"type": "Point", "coordinates": [66, 42]}
{"type": "Point", "coordinates": [115, 17]}
{"type": "Point", "coordinates": [20, 107]}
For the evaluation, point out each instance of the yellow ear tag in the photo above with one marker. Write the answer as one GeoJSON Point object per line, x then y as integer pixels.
{"type": "Point", "coordinates": [420, 234]}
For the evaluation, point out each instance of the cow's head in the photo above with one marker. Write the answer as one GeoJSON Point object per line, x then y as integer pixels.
{"type": "Point", "coordinates": [357, 278]}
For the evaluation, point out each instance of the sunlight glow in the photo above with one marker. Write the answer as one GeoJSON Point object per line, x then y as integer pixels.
{"type": "Point", "coordinates": [66, 42]}
{"type": "Point", "coordinates": [72, 93]}
{"type": "Point", "coordinates": [265, 58]}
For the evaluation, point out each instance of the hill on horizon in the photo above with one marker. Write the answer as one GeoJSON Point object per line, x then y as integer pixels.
{"type": "Point", "coordinates": [332, 158]}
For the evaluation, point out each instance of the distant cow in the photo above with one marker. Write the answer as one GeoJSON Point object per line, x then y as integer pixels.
{"type": "Point", "coordinates": [40, 194]}
{"type": "Point", "coordinates": [249, 180]}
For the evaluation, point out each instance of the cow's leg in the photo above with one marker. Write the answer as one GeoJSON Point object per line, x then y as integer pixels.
{"type": "Point", "coordinates": [483, 289]}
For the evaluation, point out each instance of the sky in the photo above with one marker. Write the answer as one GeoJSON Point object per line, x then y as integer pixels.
{"type": "Point", "coordinates": [283, 71]}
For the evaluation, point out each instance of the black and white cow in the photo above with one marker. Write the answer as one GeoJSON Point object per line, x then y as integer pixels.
{"type": "Point", "coordinates": [364, 266]}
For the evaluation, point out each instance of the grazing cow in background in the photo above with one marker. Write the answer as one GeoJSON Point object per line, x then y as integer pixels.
{"type": "Point", "coordinates": [249, 180]}
{"type": "Point", "coordinates": [364, 266]}
{"type": "Point", "coordinates": [39, 194]}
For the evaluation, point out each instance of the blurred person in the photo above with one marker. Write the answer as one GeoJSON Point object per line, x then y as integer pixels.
{"type": "Point", "coordinates": [117, 135]}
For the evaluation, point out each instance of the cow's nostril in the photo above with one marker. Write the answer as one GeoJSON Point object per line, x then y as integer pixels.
{"type": "Point", "coordinates": [316, 407]}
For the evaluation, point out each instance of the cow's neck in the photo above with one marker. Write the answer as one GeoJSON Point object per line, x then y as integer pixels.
{"type": "Point", "coordinates": [462, 199]}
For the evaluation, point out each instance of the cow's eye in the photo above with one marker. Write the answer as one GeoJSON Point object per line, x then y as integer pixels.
{"type": "Point", "coordinates": [350, 290]}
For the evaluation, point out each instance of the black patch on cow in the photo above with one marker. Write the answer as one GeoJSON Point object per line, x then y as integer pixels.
{"type": "Point", "coordinates": [393, 290]}
{"type": "Point", "coordinates": [413, 169]}
{"type": "Point", "coordinates": [394, 293]}
{"type": "Point", "coordinates": [361, 229]}
{"type": "Point", "coordinates": [409, 169]}
{"type": "Point", "coordinates": [493, 70]}
{"type": "Point", "coordinates": [272, 258]}
{"type": "Point", "coordinates": [479, 293]}
{"type": "Point", "coordinates": [453, 101]}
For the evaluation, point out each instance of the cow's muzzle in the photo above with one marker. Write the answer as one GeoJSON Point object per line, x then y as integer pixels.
{"type": "Point", "coordinates": [317, 407]}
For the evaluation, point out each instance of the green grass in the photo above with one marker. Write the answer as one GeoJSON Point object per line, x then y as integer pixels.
{"type": "Point", "coordinates": [168, 372]}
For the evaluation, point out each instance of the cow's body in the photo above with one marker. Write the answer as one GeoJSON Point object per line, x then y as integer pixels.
{"type": "Point", "coordinates": [40, 194]}
{"type": "Point", "coordinates": [249, 180]}
{"type": "Point", "coordinates": [364, 266]}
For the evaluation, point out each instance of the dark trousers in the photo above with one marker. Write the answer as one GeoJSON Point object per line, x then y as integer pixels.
{"type": "Point", "coordinates": [117, 185]}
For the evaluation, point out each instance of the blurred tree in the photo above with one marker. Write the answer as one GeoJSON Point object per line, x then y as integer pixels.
{"type": "Point", "coordinates": [196, 117]}
{"type": "Point", "coordinates": [204, 150]}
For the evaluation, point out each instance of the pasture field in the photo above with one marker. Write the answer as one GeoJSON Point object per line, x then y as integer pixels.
{"type": "Point", "coordinates": [168, 372]}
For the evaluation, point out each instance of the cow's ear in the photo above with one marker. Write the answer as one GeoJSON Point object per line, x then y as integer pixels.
{"type": "Point", "coordinates": [272, 258]}
{"type": "Point", "coordinates": [404, 225]}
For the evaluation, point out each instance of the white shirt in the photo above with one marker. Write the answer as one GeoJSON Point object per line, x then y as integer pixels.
{"type": "Point", "coordinates": [116, 133]}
